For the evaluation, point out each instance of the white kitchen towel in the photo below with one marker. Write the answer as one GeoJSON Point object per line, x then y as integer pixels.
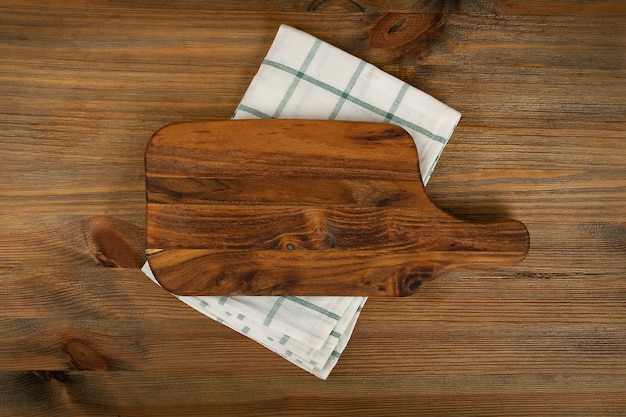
{"type": "Point", "coordinates": [303, 77]}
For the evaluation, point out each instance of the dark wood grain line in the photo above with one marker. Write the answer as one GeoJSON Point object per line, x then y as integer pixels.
{"type": "Point", "coordinates": [345, 192]}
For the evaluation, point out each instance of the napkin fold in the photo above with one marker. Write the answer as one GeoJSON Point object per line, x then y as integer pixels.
{"type": "Point", "coordinates": [303, 77]}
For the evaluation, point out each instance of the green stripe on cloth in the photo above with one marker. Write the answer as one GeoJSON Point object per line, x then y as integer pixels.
{"type": "Point", "coordinates": [255, 112]}
{"type": "Point", "coordinates": [391, 117]}
{"type": "Point", "coordinates": [313, 307]}
{"type": "Point", "coordinates": [346, 92]}
{"type": "Point", "coordinates": [273, 311]}
{"type": "Point", "coordinates": [298, 76]}
{"type": "Point", "coordinates": [396, 102]}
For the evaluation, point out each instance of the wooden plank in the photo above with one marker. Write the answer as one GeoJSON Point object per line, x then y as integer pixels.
{"type": "Point", "coordinates": [534, 395]}
{"type": "Point", "coordinates": [483, 42]}
{"type": "Point", "coordinates": [549, 343]}
{"type": "Point", "coordinates": [531, 292]}
{"type": "Point", "coordinates": [488, 7]}
{"type": "Point", "coordinates": [60, 395]}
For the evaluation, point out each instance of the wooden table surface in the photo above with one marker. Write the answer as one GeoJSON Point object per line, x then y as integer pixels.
{"type": "Point", "coordinates": [542, 89]}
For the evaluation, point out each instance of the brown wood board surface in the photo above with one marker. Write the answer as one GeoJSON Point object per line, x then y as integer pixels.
{"type": "Point", "coordinates": [542, 140]}
{"type": "Point", "coordinates": [230, 241]}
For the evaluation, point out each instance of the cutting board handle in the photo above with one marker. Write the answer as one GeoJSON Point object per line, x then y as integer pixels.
{"type": "Point", "coordinates": [469, 244]}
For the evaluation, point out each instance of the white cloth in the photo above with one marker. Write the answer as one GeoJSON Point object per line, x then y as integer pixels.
{"type": "Point", "coordinates": [303, 77]}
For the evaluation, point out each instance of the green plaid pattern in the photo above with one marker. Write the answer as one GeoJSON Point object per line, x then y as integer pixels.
{"type": "Point", "coordinates": [304, 78]}
{"type": "Point", "coordinates": [343, 95]}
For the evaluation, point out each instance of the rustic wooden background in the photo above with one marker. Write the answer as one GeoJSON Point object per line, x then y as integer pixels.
{"type": "Point", "coordinates": [542, 89]}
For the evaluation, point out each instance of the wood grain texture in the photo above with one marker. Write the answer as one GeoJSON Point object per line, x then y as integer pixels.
{"type": "Point", "coordinates": [240, 244]}
{"type": "Point", "coordinates": [541, 88]}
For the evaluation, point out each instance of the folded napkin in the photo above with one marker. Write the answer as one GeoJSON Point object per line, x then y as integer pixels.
{"type": "Point", "coordinates": [303, 77]}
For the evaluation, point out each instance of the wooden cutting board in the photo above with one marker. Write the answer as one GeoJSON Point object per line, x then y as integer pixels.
{"type": "Point", "coordinates": [299, 207]}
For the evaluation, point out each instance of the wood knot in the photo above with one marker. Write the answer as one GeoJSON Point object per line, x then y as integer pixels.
{"type": "Point", "coordinates": [399, 30]}
{"type": "Point", "coordinates": [114, 242]}
{"type": "Point", "coordinates": [335, 5]}
{"type": "Point", "coordinates": [84, 357]}
{"type": "Point", "coordinates": [413, 279]}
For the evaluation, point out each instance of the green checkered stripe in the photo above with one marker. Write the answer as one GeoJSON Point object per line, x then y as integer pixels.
{"type": "Point", "coordinates": [268, 341]}
{"type": "Point", "coordinates": [343, 95]}
{"type": "Point", "coordinates": [277, 305]}
{"type": "Point", "coordinates": [231, 319]}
